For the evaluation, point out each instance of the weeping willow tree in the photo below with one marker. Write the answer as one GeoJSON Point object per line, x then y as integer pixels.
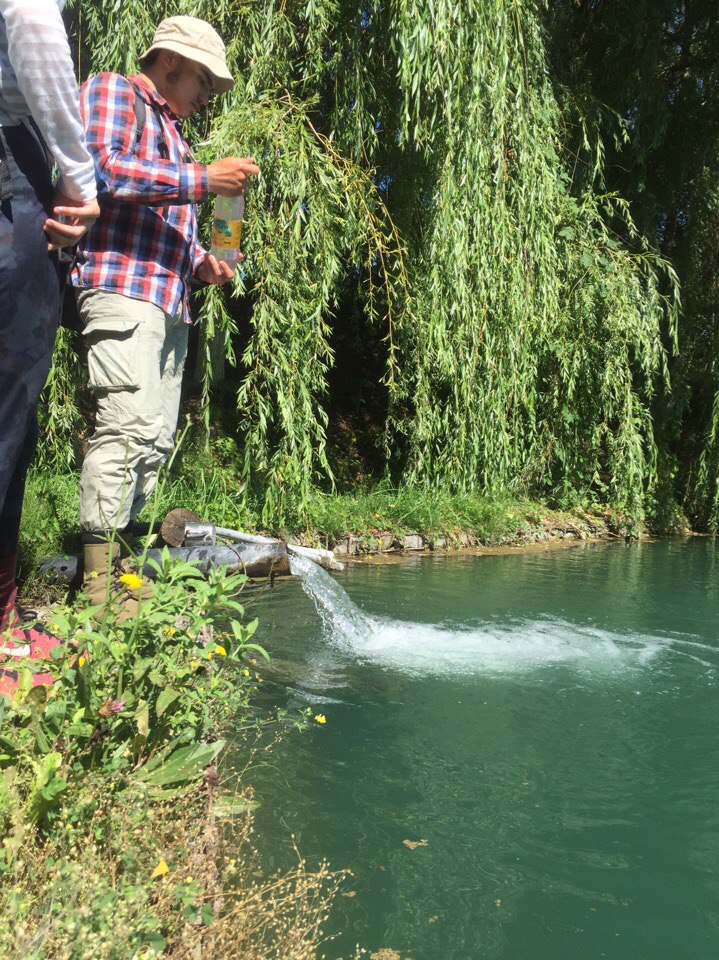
{"type": "Point", "coordinates": [700, 368]}
{"type": "Point", "coordinates": [664, 83]}
{"type": "Point", "coordinates": [415, 163]}
{"type": "Point", "coordinates": [540, 343]}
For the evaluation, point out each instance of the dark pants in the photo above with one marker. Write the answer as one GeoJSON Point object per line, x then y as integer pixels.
{"type": "Point", "coordinates": [29, 309]}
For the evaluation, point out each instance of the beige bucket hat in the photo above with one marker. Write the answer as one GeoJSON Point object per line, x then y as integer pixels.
{"type": "Point", "coordinates": [197, 40]}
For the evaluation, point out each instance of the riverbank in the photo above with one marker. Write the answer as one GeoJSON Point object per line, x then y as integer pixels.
{"type": "Point", "coordinates": [526, 526]}
{"type": "Point", "coordinates": [380, 521]}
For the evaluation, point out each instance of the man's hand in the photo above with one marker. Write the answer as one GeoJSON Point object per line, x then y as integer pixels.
{"type": "Point", "coordinates": [79, 216]}
{"type": "Point", "coordinates": [229, 177]}
{"type": "Point", "coordinates": [210, 271]}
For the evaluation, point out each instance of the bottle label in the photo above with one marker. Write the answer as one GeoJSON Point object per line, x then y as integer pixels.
{"type": "Point", "coordinates": [226, 234]}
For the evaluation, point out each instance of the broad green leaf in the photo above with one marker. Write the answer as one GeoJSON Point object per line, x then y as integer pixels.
{"type": "Point", "coordinates": [168, 696]}
{"type": "Point", "coordinates": [185, 764]}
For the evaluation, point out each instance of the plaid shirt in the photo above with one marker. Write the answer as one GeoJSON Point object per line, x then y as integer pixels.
{"type": "Point", "coordinates": [144, 243]}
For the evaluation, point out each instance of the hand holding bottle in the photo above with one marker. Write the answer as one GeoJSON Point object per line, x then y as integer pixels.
{"type": "Point", "coordinates": [229, 177]}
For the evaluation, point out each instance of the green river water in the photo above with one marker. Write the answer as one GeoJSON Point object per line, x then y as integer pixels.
{"type": "Point", "coordinates": [546, 722]}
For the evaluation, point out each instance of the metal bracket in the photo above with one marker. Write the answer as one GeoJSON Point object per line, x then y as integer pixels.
{"type": "Point", "coordinates": [200, 535]}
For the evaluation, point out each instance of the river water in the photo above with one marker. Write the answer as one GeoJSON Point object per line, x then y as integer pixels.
{"type": "Point", "coordinates": [544, 726]}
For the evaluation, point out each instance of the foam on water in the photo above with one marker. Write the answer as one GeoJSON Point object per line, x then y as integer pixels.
{"type": "Point", "coordinates": [510, 647]}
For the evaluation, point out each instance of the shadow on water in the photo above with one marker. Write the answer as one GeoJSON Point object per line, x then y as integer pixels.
{"type": "Point", "coordinates": [547, 723]}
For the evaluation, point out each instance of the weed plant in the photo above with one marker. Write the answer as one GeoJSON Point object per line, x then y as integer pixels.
{"type": "Point", "coordinates": [108, 848]}
{"type": "Point", "coordinates": [121, 878]}
{"type": "Point", "coordinates": [139, 700]}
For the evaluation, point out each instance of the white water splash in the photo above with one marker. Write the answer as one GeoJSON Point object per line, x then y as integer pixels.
{"type": "Point", "coordinates": [509, 647]}
{"type": "Point", "coordinates": [343, 620]}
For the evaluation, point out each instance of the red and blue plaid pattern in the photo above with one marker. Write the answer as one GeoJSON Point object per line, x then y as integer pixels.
{"type": "Point", "coordinates": [144, 243]}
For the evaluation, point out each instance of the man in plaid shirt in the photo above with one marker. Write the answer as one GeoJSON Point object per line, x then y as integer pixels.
{"type": "Point", "coordinates": [133, 275]}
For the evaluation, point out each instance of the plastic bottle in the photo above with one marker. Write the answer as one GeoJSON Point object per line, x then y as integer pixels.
{"type": "Point", "coordinates": [227, 229]}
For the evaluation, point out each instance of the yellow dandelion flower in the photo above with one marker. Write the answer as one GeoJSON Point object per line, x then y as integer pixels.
{"type": "Point", "coordinates": [160, 870]}
{"type": "Point", "coordinates": [220, 651]}
{"type": "Point", "coordinates": [81, 661]}
{"type": "Point", "coordinates": [321, 718]}
{"type": "Point", "coordinates": [131, 580]}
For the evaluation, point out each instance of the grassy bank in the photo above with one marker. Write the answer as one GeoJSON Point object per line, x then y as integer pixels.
{"type": "Point", "coordinates": [378, 516]}
{"type": "Point", "coordinates": [110, 846]}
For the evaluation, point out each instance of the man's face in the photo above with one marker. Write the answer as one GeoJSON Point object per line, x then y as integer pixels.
{"type": "Point", "coordinates": [187, 85]}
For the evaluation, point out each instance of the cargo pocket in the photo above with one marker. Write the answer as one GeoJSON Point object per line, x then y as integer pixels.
{"type": "Point", "coordinates": [112, 355]}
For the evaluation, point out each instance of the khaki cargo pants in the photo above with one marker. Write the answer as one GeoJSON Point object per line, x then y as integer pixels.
{"type": "Point", "coordinates": [136, 355]}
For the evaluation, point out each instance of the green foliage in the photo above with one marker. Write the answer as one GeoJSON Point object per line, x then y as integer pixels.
{"type": "Point", "coordinates": [401, 509]}
{"type": "Point", "coordinates": [124, 877]}
{"type": "Point", "coordinates": [49, 517]}
{"type": "Point", "coordinates": [60, 417]}
{"type": "Point", "coordinates": [542, 346]}
{"type": "Point", "coordinates": [107, 849]}
{"type": "Point", "coordinates": [87, 890]}
{"type": "Point", "coordinates": [89, 764]}
{"type": "Point", "coordinates": [410, 510]}
{"type": "Point", "coordinates": [137, 699]}
{"type": "Point", "coordinates": [663, 83]}
{"type": "Point", "coordinates": [313, 215]}
{"type": "Point", "coordinates": [699, 369]}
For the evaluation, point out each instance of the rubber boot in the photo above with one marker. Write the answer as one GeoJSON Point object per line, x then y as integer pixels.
{"type": "Point", "coordinates": [104, 578]}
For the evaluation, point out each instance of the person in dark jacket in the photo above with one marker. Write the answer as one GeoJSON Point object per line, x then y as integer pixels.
{"type": "Point", "coordinates": [39, 124]}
